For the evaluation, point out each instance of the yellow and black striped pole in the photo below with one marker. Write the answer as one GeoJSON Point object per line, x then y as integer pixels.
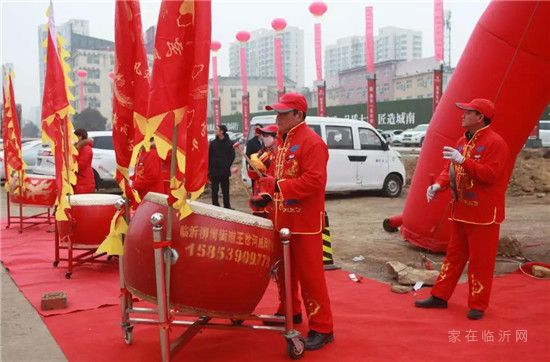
{"type": "Point", "coordinates": [328, 261]}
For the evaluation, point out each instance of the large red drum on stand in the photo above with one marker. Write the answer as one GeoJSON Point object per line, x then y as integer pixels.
{"type": "Point", "coordinates": [90, 219]}
{"type": "Point", "coordinates": [38, 190]}
{"type": "Point", "coordinates": [225, 258]}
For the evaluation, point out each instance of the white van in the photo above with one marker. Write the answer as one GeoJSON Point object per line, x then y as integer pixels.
{"type": "Point", "coordinates": [359, 157]}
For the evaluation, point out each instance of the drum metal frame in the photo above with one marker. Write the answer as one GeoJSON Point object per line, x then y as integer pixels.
{"type": "Point", "coordinates": [40, 218]}
{"type": "Point", "coordinates": [74, 258]}
{"type": "Point", "coordinates": [86, 255]}
{"type": "Point", "coordinates": [165, 257]}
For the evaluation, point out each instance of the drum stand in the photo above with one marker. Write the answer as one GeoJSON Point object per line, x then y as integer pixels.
{"type": "Point", "coordinates": [40, 218]}
{"type": "Point", "coordinates": [165, 257]}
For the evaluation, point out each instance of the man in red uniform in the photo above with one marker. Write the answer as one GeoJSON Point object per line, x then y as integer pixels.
{"type": "Point", "coordinates": [148, 175]}
{"type": "Point", "coordinates": [473, 174]}
{"type": "Point", "coordinates": [296, 186]}
{"type": "Point", "coordinates": [85, 181]}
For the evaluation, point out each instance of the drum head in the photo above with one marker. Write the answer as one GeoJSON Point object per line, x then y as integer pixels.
{"type": "Point", "coordinates": [93, 199]}
{"type": "Point", "coordinates": [215, 211]}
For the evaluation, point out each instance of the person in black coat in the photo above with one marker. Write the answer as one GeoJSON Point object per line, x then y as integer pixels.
{"type": "Point", "coordinates": [221, 156]}
{"type": "Point", "coordinates": [255, 143]}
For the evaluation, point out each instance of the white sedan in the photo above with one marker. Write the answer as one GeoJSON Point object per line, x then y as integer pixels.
{"type": "Point", "coordinates": [103, 162]}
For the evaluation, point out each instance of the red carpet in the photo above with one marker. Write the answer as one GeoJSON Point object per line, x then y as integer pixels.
{"type": "Point", "coordinates": [29, 257]}
{"type": "Point", "coordinates": [371, 323]}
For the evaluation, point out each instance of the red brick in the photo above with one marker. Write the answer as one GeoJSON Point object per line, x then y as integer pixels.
{"type": "Point", "coordinates": [53, 300]}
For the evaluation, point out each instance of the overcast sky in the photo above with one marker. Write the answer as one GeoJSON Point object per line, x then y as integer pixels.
{"type": "Point", "coordinates": [20, 20]}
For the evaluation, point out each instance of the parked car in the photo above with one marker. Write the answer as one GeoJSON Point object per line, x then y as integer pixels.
{"type": "Point", "coordinates": [103, 162]}
{"type": "Point", "coordinates": [390, 135]}
{"type": "Point", "coordinates": [359, 157]}
{"type": "Point", "coordinates": [30, 150]}
{"type": "Point", "coordinates": [544, 132]}
{"type": "Point", "coordinates": [414, 136]}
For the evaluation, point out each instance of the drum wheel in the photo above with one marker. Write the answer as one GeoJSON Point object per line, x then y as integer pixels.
{"type": "Point", "coordinates": [68, 275]}
{"type": "Point", "coordinates": [128, 335]}
{"type": "Point", "coordinates": [295, 347]}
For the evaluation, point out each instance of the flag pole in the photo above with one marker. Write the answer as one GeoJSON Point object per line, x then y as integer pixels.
{"type": "Point", "coordinates": [67, 148]}
{"type": "Point", "coordinates": [172, 175]}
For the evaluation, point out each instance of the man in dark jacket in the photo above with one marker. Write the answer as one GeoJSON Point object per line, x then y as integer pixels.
{"type": "Point", "coordinates": [255, 143]}
{"type": "Point", "coordinates": [221, 156]}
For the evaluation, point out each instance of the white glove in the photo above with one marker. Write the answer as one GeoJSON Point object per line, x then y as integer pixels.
{"type": "Point", "coordinates": [431, 191]}
{"type": "Point", "coordinates": [452, 154]}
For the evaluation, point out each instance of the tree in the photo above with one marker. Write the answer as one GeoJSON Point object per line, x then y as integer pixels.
{"type": "Point", "coordinates": [90, 119]}
{"type": "Point", "coordinates": [30, 130]}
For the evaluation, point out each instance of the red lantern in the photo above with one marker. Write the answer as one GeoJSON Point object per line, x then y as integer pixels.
{"type": "Point", "coordinates": [81, 73]}
{"type": "Point", "coordinates": [318, 8]}
{"type": "Point", "coordinates": [278, 24]}
{"type": "Point", "coordinates": [215, 45]}
{"type": "Point", "coordinates": [243, 36]}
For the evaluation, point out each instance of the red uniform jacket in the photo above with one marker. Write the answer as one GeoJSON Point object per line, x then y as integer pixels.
{"type": "Point", "coordinates": [147, 175]}
{"type": "Point", "coordinates": [85, 181]}
{"type": "Point", "coordinates": [480, 185]}
{"type": "Point", "coordinates": [301, 173]}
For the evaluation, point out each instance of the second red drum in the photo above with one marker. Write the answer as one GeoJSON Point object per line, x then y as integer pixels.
{"type": "Point", "coordinates": [225, 258]}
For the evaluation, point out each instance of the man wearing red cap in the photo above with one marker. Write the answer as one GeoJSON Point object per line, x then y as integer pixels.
{"type": "Point", "coordinates": [296, 185]}
{"type": "Point", "coordinates": [474, 175]}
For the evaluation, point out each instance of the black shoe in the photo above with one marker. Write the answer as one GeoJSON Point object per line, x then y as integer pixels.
{"type": "Point", "coordinates": [475, 314]}
{"type": "Point", "coordinates": [316, 340]}
{"type": "Point", "coordinates": [296, 319]}
{"type": "Point", "coordinates": [431, 302]}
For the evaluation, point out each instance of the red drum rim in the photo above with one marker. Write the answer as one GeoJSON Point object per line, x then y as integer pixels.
{"type": "Point", "coordinates": [93, 199]}
{"type": "Point", "coordinates": [221, 213]}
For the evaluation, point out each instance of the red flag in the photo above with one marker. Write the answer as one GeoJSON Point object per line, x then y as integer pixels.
{"type": "Point", "coordinates": [11, 133]}
{"type": "Point", "coordinates": [178, 95]}
{"type": "Point", "coordinates": [130, 91]}
{"type": "Point", "coordinates": [57, 128]}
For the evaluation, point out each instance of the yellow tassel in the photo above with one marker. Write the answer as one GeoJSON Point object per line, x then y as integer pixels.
{"type": "Point", "coordinates": [113, 245]}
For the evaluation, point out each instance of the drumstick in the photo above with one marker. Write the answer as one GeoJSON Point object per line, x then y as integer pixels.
{"type": "Point", "coordinates": [237, 145]}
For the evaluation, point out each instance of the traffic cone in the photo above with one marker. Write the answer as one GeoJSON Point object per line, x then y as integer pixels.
{"type": "Point", "coordinates": [328, 261]}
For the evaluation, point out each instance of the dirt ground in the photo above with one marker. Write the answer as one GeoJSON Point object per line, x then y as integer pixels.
{"type": "Point", "coordinates": [356, 222]}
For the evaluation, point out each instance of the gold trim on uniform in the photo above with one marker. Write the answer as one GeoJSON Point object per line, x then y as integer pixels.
{"type": "Point", "coordinates": [312, 307]}
{"type": "Point", "coordinates": [444, 270]}
{"type": "Point", "coordinates": [477, 286]}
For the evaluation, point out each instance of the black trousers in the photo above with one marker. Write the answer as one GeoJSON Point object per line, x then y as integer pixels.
{"type": "Point", "coordinates": [215, 183]}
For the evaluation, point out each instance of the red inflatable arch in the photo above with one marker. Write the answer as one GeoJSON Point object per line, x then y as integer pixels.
{"type": "Point", "coordinates": [506, 60]}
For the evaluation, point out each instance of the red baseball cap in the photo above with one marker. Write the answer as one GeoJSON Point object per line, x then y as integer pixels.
{"type": "Point", "coordinates": [270, 129]}
{"type": "Point", "coordinates": [483, 106]}
{"type": "Point", "coordinates": [289, 102]}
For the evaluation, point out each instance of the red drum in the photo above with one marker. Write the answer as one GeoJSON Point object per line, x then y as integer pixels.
{"type": "Point", "coordinates": [225, 258]}
{"type": "Point", "coordinates": [90, 219]}
{"type": "Point", "coordinates": [38, 190]}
